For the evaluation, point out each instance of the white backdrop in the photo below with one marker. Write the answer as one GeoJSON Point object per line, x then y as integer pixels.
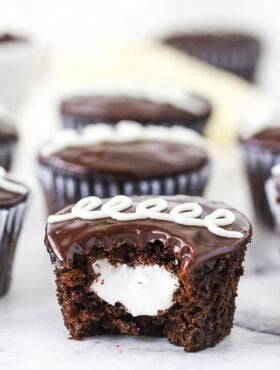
{"type": "Point", "coordinates": [61, 22]}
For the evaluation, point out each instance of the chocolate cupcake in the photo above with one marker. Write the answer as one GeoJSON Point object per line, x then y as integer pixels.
{"type": "Point", "coordinates": [163, 267]}
{"type": "Point", "coordinates": [9, 37]}
{"type": "Point", "coordinates": [13, 197]}
{"type": "Point", "coordinates": [260, 145]}
{"type": "Point", "coordinates": [272, 188]}
{"type": "Point", "coordinates": [155, 105]}
{"type": "Point", "coordinates": [8, 138]}
{"type": "Point", "coordinates": [237, 53]}
{"type": "Point", "coordinates": [127, 158]}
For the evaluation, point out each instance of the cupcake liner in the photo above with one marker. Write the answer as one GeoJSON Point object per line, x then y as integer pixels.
{"type": "Point", "coordinates": [10, 226]}
{"type": "Point", "coordinates": [239, 63]}
{"type": "Point", "coordinates": [258, 163]}
{"type": "Point", "coordinates": [6, 154]}
{"type": "Point", "coordinates": [63, 189]}
{"type": "Point", "coordinates": [79, 123]}
{"type": "Point", "coordinates": [241, 60]}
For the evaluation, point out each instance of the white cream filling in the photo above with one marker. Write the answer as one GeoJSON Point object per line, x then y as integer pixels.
{"type": "Point", "coordinates": [142, 290]}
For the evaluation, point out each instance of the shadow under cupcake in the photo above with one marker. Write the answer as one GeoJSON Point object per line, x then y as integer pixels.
{"type": "Point", "coordinates": [127, 158]}
{"type": "Point", "coordinates": [157, 105]}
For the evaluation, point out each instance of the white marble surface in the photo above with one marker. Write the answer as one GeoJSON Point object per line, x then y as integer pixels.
{"type": "Point", "coordinates": [32, 335]}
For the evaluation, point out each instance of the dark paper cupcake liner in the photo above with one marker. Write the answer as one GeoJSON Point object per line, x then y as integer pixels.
{"type": "Point", "coordinates": [62, 189]}
{"type": "Point", "coordinates": [6, 154]}
{"type": "Point", "coordinates": [243, 65]}
{"type": "Point", "coordinates": [10, 227]}
{"type": "Point", "coordinates": [79, 123]}
{"type": "Point", "coordinates": [258, 163]}
{"type": "Point", "coordinates": [241, 60]}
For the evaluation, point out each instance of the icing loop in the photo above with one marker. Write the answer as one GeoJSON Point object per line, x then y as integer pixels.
{"type": "Point", "coordinates": [186, 214]}
{"type": "Point", "coordinates": [9, 185]}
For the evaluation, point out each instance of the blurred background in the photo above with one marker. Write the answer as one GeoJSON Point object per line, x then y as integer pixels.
{"type": "Point", "coordinates": [67, 25]}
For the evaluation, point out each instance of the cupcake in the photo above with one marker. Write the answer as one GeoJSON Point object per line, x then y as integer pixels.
{"type": "Point", "coordinates": [260, 145]}
{"type": "Point", "coordinates": [235, 52]}
{"type": "Point", "coordinates": [162, 267]}
{"type": "Point", "coordinates": [127, 158]}
{"type": "Point", "coordinates": [8, 138]}
{"type": "Point", "coordinates": [272, 188]}
{"type": "Point", "coordinates": [13, 197]}
{"type": "Point", "coordinates": [159, 105]}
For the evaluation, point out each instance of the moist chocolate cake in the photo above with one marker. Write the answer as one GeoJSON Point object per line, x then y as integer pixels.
{"type": "Point", "coordinates": [127, 158]}
{"type": "Point", "coordinates": [8, 140]}
{"type": "Point", "coordinates": [160, 106]}
{"type": "Point", "coordinates": [13, 197]}
{"type": "Point", "coordinates": [163, 267]}
{"type": "Point", "coordinates": [237, 53]}
{"type": "Point", "coordinates": [261, 151]}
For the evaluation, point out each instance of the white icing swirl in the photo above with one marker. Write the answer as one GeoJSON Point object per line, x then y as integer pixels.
{"type": "Point", "coordinates": [266, 117]}
{"type": "Point", "coordinates": [176, 96]}
{"type": "Point", "coordinates": [10, 186]}
{"type": "Point", "coordinates": [183, 214]}
{"type": "Point", "coordinates": [122, 132]}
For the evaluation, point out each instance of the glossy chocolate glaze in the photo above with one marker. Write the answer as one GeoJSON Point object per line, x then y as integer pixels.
{"type": "Point", "coordinates": [211, 39]}
{"type": "Point", "coordinates": [129, 160]}
{"type": "Point", "coordinates": [268, 138]}
{"type": "Point", "coordinates": [116, 108]}
{"type": "Point", "coordinates": [9, 199]}
{"type": "Point", "coordinates": [8, 37]}
{"type": "Point", "coordinates": [7, 132]}
{"type": "Point", "coordinates": [65, 239]}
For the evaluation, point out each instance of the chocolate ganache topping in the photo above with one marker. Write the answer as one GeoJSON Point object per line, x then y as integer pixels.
{"type": "Point", "coordinates": [66, 238]}
{"type": "Point", "coordinates": [268, 138]}
{"type": "Point", "coordinates": [7, 132]}
{"type": "Point", "coordinates": [129, 160]}
{"type": "Point", "coordinates": [116, 108]}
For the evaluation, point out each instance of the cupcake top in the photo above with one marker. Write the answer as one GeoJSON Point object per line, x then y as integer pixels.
{"type": "Point", "coordinates": [263, 130]}
{"type": "Point", "coordinates": [8, 131]}
{"type": "Point", "coordinates": [142, 103]}
{"type": "Point", "coordinates": [9, 37]}
{"type": "Point", "coordinates": [11, 192]}
{"type": "Point", "coordinates": [127, 149]}
{"type": "Point", "coordinates": [192, 229]}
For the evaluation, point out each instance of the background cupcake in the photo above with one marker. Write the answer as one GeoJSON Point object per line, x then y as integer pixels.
{"type": "Point", "coordinates": [158, 105]}
{"type": "Point", "coordinates": [235, 52]}
{"type": "Point", "coordinates": [125, 159]}
{"type": "Point", "coordinates": [13, 197]}
{"type": "Point", "coordinates": [260, 144]}
{"type": "Point", "coordinates": [272, 188]}
{"type": "Point", "coordinates": [8, 138]}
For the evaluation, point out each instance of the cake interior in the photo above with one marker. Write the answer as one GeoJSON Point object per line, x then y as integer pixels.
{"type": "Point", "coordinates": [203, 304]}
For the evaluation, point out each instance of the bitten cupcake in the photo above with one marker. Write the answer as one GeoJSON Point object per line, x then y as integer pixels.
{"type": "Point", "coordinates": [13, 197]}
{"type": "Point", "coordinates": [260, 144]}
{"type": "Point", "coordinates": [164, 267]}
{"type": "Point", "coordinates": [158, 105]}
{"type": "Point", "coordinates": [127, 158]}
{"type": "Point", "coordinates": [237, 53]}
{"type": "Point", "coordinates": [8, 138]}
